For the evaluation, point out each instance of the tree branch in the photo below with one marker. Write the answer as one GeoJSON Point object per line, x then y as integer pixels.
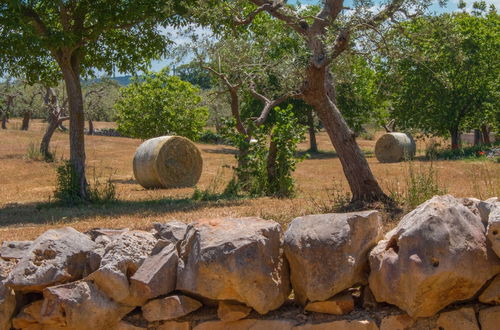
{"type": "Point", "coordinates": [280, 12]}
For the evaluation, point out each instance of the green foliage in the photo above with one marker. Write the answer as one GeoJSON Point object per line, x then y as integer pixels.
{"type": "Point", "coordinates": [194, 74]}
{"type": "Point", "coordinates": [110, 35]}
{"type": "Point", "coordinates": [287, 133]}
{"type": "Point", "coordinates": [159, 104]}
{"type": "Point", "coordinates": [447, 76]}
{"type": "Point", "coordinates": [253, 174]}
{"type": "Point", "coordinates": [68, 188]}
{"type": "Point", "coordinates": [208, 136]}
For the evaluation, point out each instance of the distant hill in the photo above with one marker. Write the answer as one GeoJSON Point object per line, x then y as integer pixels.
{"type": "Point", "coordinates": [123, 80]}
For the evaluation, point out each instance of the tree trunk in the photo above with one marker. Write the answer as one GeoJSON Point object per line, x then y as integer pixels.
{"type": "Point", "coordinates": [313, 145]}
{"type": "Point", "coordinates": [319, 93]}
{"type": "Point", "coordinates": [91, 127]}
{"type": "Point", "coordinates": [45, 144]}
{"type": "Point", "coordinates": [26, 121]}
{"type": "Point", "coordinates": [485, 131]}
{"type": "Point", "coordinates": [455, 138]}
{"type": "Point", "coordinates": [71, 73]}
{"type": "Point", "coordinates": [4, 120]}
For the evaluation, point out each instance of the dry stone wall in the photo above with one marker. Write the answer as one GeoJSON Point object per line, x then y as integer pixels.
{"type": "Point", "coordinates": [439, 268]}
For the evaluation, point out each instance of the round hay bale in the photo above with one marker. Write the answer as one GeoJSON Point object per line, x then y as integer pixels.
{"type": "Point", "coordinates": [395, 147]}
{"type": "Point", "coordinates": [167, 162]}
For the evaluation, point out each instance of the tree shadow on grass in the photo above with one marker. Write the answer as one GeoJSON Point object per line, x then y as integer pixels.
{"type": "Point", "coordinates": [48, 213]}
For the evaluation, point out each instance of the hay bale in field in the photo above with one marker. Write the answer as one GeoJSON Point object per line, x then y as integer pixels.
{"type": "Point", "coordinates": [167, 162]}
{"type": "Point", "coordinates": [395, 147]}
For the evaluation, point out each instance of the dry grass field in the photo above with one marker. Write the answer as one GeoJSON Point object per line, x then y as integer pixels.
{"type": "Point", "coordinates": [26, 185]}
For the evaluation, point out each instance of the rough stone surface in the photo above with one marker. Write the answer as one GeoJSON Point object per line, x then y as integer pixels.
{"type": "Point", "coordinates": [6, 266]}
{"type": "Point", "coordinates": [169, 308]}
{"type": "Point", "coordinates": [173, 231]}
{"type": "Point", "coordinates": [7, 306]}
{"type": "Point", "coordinates": [485, 207]}
{"type": "Point", "coordinates": [397, 322]}
{"type": "Point", "coordinates": [340, 325]}
{"type": "Point", "coordinates": [235, 259]}
{"type": "Point", "coordinates": [491, 295]}
{"type": "Point", "coordinates": [463, 319]}
{"type": "Point", "coordinates": [328, 252]}
{"type": "Point", "coordinates": [108, 232]}
{"type": "Point", "coordinates": [489, 318]}
{"type": "Point", "coordinates": [57, 256]}
{"type": "Point", "coordinates": [493, 231]}
{"type": "Point", "coordinates": [425, 263]}
{"type": "Point", "coordinates": [338, 305]}
{"type": "Point", "coordinates": [229, 311]}
{"type": "Point", "coordinates": [174, 325]}
{"type": "Point", "coordinates": [30, 316]}
{"type": "Point", "coordinates": [247, 324]}
{"type": "Point", "coordinates": [14, 249]}
{"type": "Point", "coordinates": [122, 258]}
{"type": "Point", "coordinates": [80, 305]}
{"type": "Point", "coordinates": [156, 276]}
{"type": "Point", "coordinates": [122, 325]}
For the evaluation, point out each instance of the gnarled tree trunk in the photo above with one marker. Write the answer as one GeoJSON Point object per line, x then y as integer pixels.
{"type": "Point", "coordinates": [70, 67]}
{"type": "Point", "coordinates": [45, 144]}
{"type": "Point", "coordinates": [456, 142]}
{"type": "Point", "coordinates": [485, 131]}
{"type": "Point", "coordinates": [319, 93]}
{"type": "Point", "coordinates": [313, 145]}
{"type": "Point", "coordinates": [4, 120]}
{"type": "Point", "coordinates": [91, 127]}
{"type": "Point", "coordinates": [26, 121]}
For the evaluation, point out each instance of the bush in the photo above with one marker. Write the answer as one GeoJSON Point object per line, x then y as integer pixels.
{"type": "Point", "coordinates": [253, 172]}
{"type": "Point", "coordinates": [471, 152]}
{"type": "Point", "coordinates": [207, 136]}
{"type": "Point", "coordinates": [159, 104]}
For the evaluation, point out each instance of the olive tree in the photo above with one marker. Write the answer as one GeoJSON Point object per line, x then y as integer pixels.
{"type": "Point", "coordinates": [326, 31]}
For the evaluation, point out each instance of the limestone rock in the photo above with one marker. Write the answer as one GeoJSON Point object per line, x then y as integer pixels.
{"type": "Point", "coordinates": [485, 207]}
{"type": "Point", "coordinates": [491, 295]}
{"type": "Point", "coordinates": [463, 319]}
{"type": "Point", "coordinates": [156, 276]}
{"type": "Point", "coordinates": [173, 231]}
{"type": "Point", "coordinates": [493, 230]}
{"type": "Point", "coordinates": [6, 266]}
{"type": "Point", "coordinates": [328, 253]}
{"type": "Point", "coordinates": [7, 306]}
{"type": "Point", "coordinates": [108, 232]}
{"type": "Point", "coordinates": [247, 324]}
{"type": "Point", "coordinates": [489, 318]}
{"type": "Point", "coordinates": [81, 306]}
{"type": "Point", "coordinates": [229, 311]}
{"type": "Point", "coordinates": [338, 305]}
{"type": "Point", "coordinates": [57, 256]}
{"type": "Point", "coordinates": [340, 325]}
{"type": "Point", "coordinates": [122, 325]}
{"type": "Point", "coordinates": [29, 316]}
{"type": "Point", "coordinates": [424, 264]}
{"type": "Point", "coordinates": [235, 259]}
{"type": "Point", "coordinates": [174, 325]}
{"type": "Point", "coordinates": [14, 249]}
{"type": "Point", "coordinates": [122, 258]}
{"type": "Point", "coordinates": [169, 308]}
{"type": "Point", "coordinates": [397, 322]}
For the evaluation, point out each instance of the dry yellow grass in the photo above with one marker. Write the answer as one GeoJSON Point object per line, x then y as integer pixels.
{"type": "Point", "coordinates": [25, 183]}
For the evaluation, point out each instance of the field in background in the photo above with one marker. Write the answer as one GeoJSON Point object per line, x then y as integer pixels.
{"type": "Point", "coordinates": [24, 184]}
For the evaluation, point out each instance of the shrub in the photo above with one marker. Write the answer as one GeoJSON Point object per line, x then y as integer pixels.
{"type": "Point", "coordinates": [159, 104]}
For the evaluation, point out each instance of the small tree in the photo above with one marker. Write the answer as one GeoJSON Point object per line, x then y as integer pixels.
{"type": "Point", "coordinates": [160, 104]}
{"type": "Point", "coordinates": [99, 100]}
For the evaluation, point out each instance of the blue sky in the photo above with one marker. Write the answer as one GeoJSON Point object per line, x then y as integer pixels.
{"type": "Point", "coordinates": [435, 8]}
